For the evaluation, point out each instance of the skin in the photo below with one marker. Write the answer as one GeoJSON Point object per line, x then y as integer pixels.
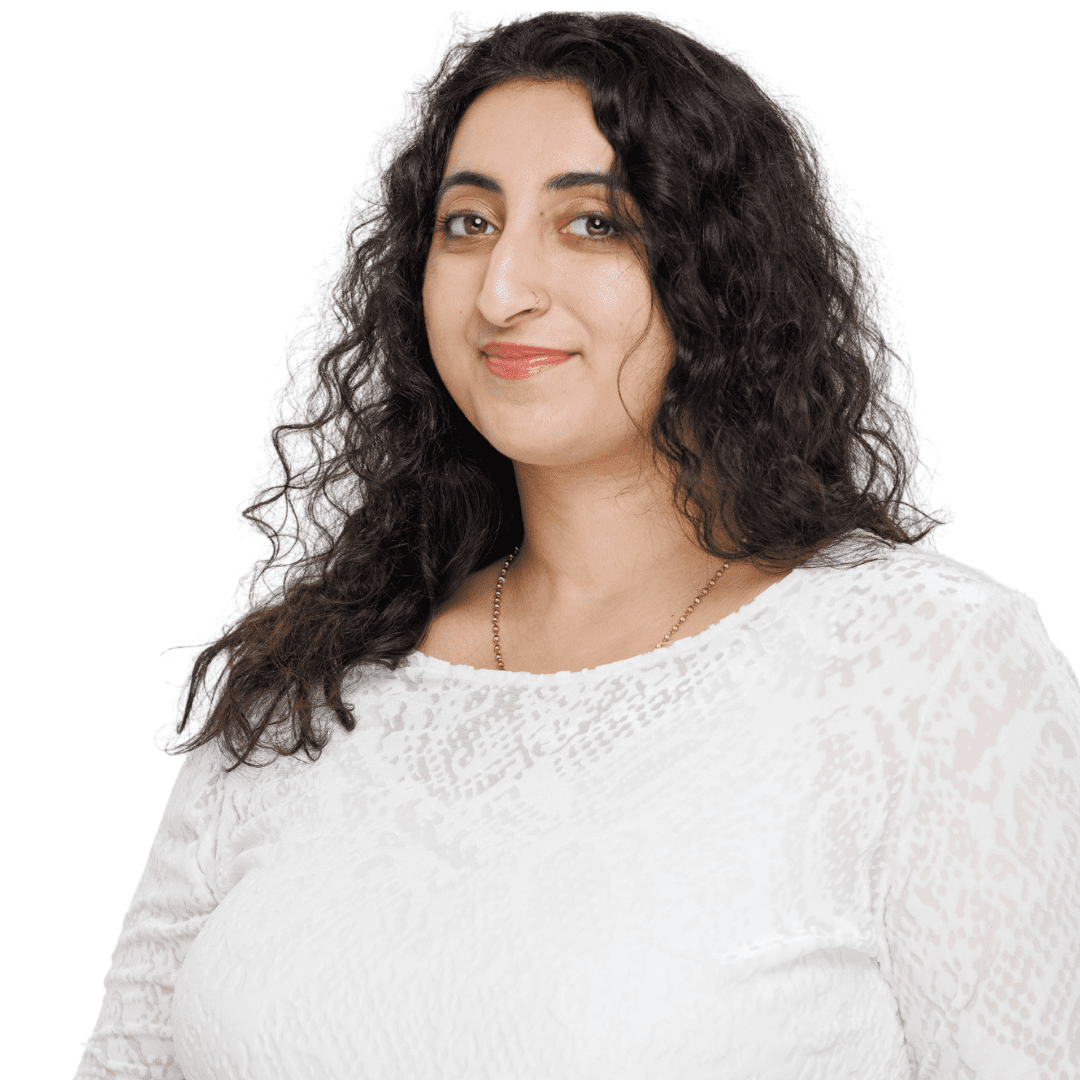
{"type": "Point", "coordinates": [607, 564]}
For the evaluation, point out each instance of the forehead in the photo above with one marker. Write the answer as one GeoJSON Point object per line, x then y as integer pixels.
{"type": "Point", "coordinates": [530, 130]}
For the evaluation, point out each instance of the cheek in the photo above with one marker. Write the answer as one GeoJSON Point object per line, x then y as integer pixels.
{"type": "Point", "coordinates": [431, 300]}
{"type": "Point", "coordinates": [446, 325]}
{"type": "Point", "coordinates": [619, 295]}
{"type": "Point", "coordinates": [440, 307]}
{"type": "Point", "coordinates": [449, 298]}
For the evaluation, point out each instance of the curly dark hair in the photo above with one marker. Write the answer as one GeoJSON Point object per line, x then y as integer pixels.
{"type": "Point", "coordinates": [774, 419]}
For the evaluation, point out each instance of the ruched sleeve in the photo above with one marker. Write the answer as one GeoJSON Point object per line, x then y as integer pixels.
{"type": "Point", "coordinates": [982, 902]}
{"type": "Point", "coordinates": [133, 1035]}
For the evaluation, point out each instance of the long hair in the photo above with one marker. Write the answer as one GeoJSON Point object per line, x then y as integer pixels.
{"type": "Point", "coordinates": [774, 418]}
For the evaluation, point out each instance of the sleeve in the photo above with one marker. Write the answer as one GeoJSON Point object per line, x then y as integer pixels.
{"type": "Point", "coordinates": [982, 913]}
{"type": "Point", "coordinates": [133, 1035]}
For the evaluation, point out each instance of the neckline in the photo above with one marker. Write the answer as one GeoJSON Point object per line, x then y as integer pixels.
{"type": "Point", "coordinates": [765, 599]}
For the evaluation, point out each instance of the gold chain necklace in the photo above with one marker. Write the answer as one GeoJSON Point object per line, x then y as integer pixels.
{"type": "Point", "coordinates": [667, 637]}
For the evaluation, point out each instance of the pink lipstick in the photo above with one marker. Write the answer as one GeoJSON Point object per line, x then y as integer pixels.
{"type": "Point", "coordinates": [509, 361]}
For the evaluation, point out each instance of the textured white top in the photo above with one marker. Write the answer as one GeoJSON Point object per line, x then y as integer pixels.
{"type": "Point", "coordinates": [834, 835]}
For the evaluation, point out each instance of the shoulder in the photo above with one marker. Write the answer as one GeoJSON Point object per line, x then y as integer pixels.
{"type": "Point", "coordinates": [918, 581]}
{"type": "Point", "coordinates": [911, 609]}
{"type": "Point", "coordinates": [212, 786]}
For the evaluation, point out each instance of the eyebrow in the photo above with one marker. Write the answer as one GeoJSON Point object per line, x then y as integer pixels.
{"type": "Point", "coordinates": [562, 182]}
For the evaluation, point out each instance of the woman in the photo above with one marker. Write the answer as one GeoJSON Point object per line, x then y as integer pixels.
{"type": "Point", "coordinates": [612, 722]}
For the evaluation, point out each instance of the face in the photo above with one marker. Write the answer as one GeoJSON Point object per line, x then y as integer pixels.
{"type": "Point", "coordinates": [532, 299]}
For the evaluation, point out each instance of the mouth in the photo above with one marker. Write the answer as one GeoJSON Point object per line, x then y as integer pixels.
{"type": "Point", "coordinates": [509, 361]}
{"type": "Point", "coordinates": [507, 350]}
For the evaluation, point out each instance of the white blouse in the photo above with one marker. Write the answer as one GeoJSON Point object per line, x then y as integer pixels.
{"type": "Point", "coordinates": [834, 835]}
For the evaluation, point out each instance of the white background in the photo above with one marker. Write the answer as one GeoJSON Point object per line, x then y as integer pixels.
{"type": "Point", "coordinates": [178, 182]}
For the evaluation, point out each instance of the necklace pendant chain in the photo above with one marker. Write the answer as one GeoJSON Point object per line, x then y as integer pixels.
{"type": "Point", "coordinates": [667, 637]}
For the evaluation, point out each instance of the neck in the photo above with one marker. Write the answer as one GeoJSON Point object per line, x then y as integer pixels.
{"type": "Point", "coordinates": [602, 538]}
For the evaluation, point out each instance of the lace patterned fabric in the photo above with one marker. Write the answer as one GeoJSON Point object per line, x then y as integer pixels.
{"type": "Point", "coordinates": [834, 835]}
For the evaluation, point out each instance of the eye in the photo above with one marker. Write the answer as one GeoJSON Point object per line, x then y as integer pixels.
{"type": "Point", "coordinates": [593, 226]}
{"type": "Point", "coordinates": [467, 225]}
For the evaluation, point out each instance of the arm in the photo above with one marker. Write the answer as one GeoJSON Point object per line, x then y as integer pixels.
{"type": "Point", "coordinates": [982, 911]}
{"type": "Point", "coordinates": [133, 1035]}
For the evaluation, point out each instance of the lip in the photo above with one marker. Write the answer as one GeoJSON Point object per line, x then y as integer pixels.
{"type": "Point", "coordinates": [507, 350]}
{"type": "Point", "coordinates": [510, 361]}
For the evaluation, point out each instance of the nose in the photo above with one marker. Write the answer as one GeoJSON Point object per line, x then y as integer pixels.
{"type": "Point", "coordinates": [512, 285]}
